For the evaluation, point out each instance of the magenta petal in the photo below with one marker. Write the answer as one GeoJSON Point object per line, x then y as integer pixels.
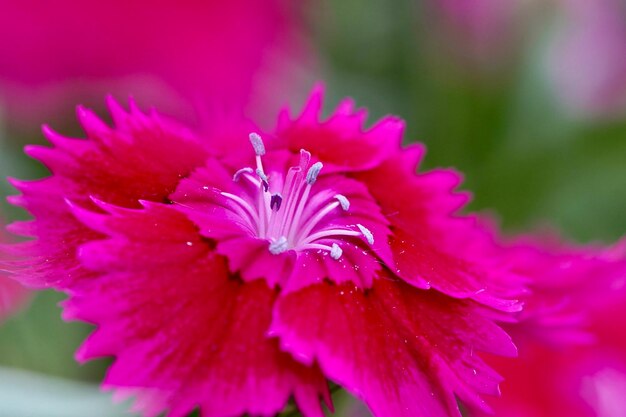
{"type": "Point", "coordinates": [341, 141]}
{"type": "Point", "coordinates": [50, 260]}
{"type": "Point", "coordinates": [143, 157]}
{"type": "Point", "coordinates": [567, 283]}
{"type": "Point", "coordinates": [432, 246]}
{"type": "Point", "coordinates": [203, 54]}
{"type": "Point", "coordinates": [357, 266]}
{"type": "Point", "coordinates": [571, 321]}
{"type": "Point", "coordinates": [251, 258]}
{"type": "Point", "coordinates": [404, 351]}
{"type": "Point", "coordinates": [179, 325]}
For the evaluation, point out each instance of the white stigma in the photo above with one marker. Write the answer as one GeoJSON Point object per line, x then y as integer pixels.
{"type": "Point", "coordinates": [335, 251]}
{"type": "Point", "coordinates": [257, 144]}
{"type": "Point", "coordinates": [279, 246]}
{"type": "Point", "coordinates": [366, 232]}
{"type": "Point", "coordinates": [345, 204]}
{"type": "Point", "coordinates": [314, 171]}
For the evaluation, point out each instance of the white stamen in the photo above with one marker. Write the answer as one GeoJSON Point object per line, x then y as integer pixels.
{"type": "Point", "coordinates": [257, 144]}
{"type": "Point", "coordinates": [238, 174]}
{"type": "Point", "coordinates": [368, 235]}
{"type": "Point", "coordinates": [242, 204]}
{"type": "Point", "coordinates": [314, 171]}
{"type": "Point", "coordinates": [279, 246]}
{"type": "Point", "coordinates": [345, 204]}
{"type": "Point", "coordinates": [295, 220]}
{"type": "Point", "coordinates": [330, 233]}
{"type": "Point", "coordinates": [315, 219]}
{"type": "Point", "coordinates": [335, 251]}
{"type": "Point", "coordinates": [261, 174]}
{"type": "Point", "coordinates": [294, 225]}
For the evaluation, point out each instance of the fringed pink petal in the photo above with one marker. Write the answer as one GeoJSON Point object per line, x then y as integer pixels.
{"type": "Point", "coordinates": [569, 322]}
{"type": "Point", "coordinates": [142, 157]}
{"type": "Point", "coordinates": [432, 246]}
{"type": "Point", "coordinates": [179, 325]}
{"type": "Point", "coordinates": [341, 141]}
{"type": "Point", "coordinates": [404, 351]}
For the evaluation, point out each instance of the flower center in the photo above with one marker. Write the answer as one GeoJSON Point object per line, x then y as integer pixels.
{"type": "Point", "coordinates": [286, 212]}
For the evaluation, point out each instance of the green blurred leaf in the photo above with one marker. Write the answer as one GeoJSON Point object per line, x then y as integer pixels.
{"type": "Point", "coordinates": [37, 339]}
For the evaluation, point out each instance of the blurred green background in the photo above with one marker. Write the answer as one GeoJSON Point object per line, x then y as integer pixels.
{"type": "Point", "coordinates": [492, 115]}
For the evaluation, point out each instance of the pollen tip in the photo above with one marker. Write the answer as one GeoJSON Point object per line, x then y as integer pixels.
{"type": "Point", "coordinates": [278, 246]}
{"type": "Point", "coordinates": [366, 233]}
{"type": "Point", "coordinates": [314, 171]}
{"type": "Point", "coordinates": [335, 251]}
{"type": "Point", "coordinates": [345, 203]}
{"type": "Point", "coordinates": [257, 143]}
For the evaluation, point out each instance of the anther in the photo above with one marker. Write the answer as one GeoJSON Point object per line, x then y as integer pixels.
{"type": "Point", "coordinates": [366, 232]}
{"type": "Point", "coordinates": [335, 251]}
{"type": "Point", "coordinates": [276, 201]}
{"type": "Point", "coordinates": [278, 246]}
{"type": "Point", "coordinates": [314, 171]}
{"type": "Point", "coordinates": [242, 171]}
{"type": "Point", "coordinates": [345, 204]}
{"type": "Point", "coordinates": [257, 144]}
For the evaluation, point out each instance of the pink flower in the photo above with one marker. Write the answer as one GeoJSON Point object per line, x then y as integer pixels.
{"type": "Point", "coordinates": [586, 62]}
{"type": "Point", "coordinates": [167, 52]}
{"type": "Point", "coordinates": [232, 271]}
{"type": "Point", "coordinates": [572, 349]}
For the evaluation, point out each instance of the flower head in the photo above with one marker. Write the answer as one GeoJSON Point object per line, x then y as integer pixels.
{"type": "Point", "coordinates": [208, 53]}
{"type": "Point", "coordinates": [232, 271]}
